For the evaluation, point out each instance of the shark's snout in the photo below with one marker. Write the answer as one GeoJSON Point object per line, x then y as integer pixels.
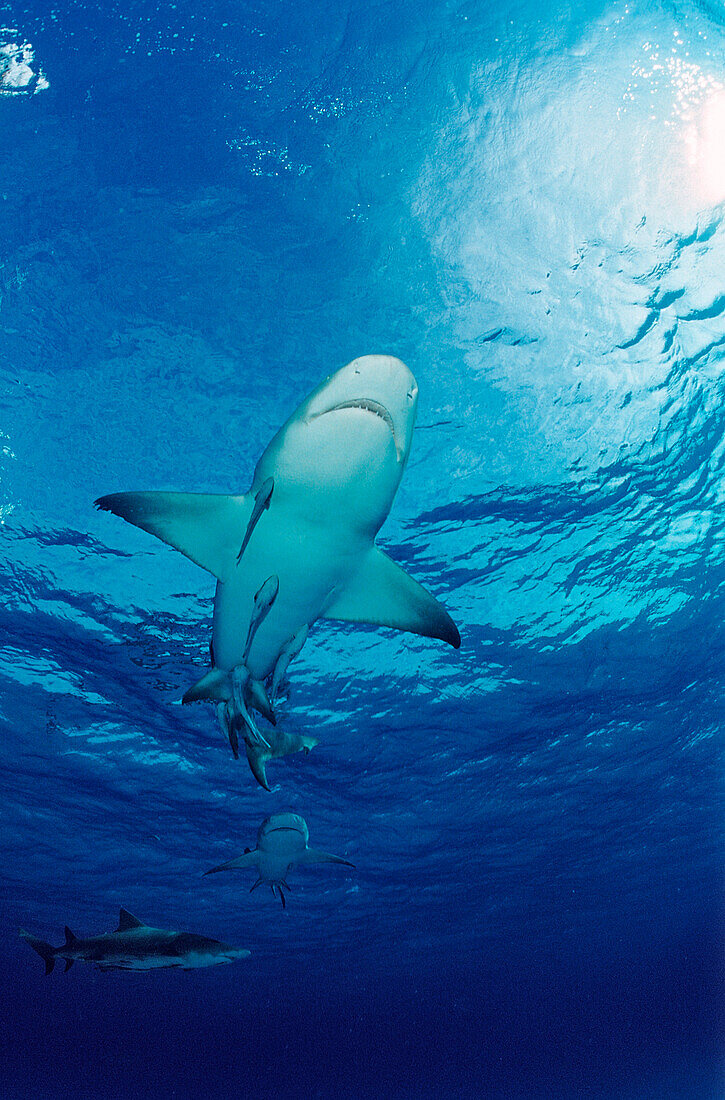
{"type": "Point", "coordinates": [235, 953]}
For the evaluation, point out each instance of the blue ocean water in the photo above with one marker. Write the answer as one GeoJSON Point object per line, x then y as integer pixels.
{"type": "Point", "coordinates": [204, 210]}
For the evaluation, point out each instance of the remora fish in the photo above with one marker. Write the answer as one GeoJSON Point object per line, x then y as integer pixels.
{"type": "Point", "coordinates": [135, 946]}
{"type": "Point", "coordinates": [319, 496]}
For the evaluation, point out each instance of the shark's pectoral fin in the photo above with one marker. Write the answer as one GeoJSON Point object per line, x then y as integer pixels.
{"type": "Point", "coordinates": [383, 594]}
{"type": "Point", "coordinates": [206, 527]}
{"type": "Point", "coordinates": [312, 855]}
{"type": "Point", "coordinates": [241, 863]}
{"type": "Point", "coordinates": [258, 763]}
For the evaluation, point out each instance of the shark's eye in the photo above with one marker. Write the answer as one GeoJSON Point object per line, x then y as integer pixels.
{"type": "Point", "coordinates": [356, 371]}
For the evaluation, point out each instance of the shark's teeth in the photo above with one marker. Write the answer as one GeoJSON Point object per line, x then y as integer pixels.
{"type": "Point", "coordinates": [367, 404]}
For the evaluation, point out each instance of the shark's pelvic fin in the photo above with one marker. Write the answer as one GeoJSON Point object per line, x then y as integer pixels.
{"type": "Point", "coordinates": [241, 863]}
{"type": "Point", "coordinates": [68, 965]}
{"type": "Point", "coordinates": [44, 950]}
{"type": "Point", "coordinates": [214, 685]}
{"type": "Point", "coordinates": [312, 855]}
{"type": "Point", "coordinates": [383, 594]}
{"type": "Point", "coordinates": [127, 921]}
{"type": "Point", "coordinates": [206, 527]}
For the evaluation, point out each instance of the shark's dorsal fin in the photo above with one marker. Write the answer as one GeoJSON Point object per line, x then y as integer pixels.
{"type": "Point", "coordinates": [383, 594]}
{"type": "Point", "coordinates": [127, 921]}
{"type": "Point", "coordinates": [206, 527]}
{"type": "Point", "coordinates": [69, 937]}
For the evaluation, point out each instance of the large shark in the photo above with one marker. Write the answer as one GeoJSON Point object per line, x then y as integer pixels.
{"type": "Point", "coordinates": [300, 545]}
{"type": "Point", "coordinates": [135, 946]}
{"type": "Point", "coordinates": [282, 843]}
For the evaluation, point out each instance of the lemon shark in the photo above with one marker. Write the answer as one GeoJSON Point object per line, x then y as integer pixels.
{"type": "Point", "coordinates": [300, 545]}
{"type": "Point", "coordinates": [135, 946]}
{"type": "Point", "coordinates": [282, 843]}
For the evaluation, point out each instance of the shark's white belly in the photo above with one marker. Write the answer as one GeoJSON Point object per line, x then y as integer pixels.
{"type": "Point", "coordinates": [312, 560]}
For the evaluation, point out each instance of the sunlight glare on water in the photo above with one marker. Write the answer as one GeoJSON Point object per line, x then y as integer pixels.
{"type": "Point", "coordinates": [707, 148]}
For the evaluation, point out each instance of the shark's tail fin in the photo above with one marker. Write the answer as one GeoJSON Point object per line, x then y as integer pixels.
{"type": "Point", "coordinates": [258, 758]}
{"type": "Point", "coordinates": [44, 950]}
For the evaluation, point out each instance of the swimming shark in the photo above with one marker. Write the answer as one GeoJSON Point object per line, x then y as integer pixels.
{"type": "Point", "coordinates": [281, 845]}
{"type": "Point", "coordinates": [135, 946]}
{"type": "Point", "coordinates": [300, 545]}
{"type": "Point", "coordinates": [280, 744]}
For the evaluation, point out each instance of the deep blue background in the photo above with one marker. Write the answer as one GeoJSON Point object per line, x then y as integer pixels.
{"type": "Point", "coordinates": [208, 209]}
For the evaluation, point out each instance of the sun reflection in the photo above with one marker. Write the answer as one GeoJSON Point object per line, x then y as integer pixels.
{"type": "Point", "coordinates": [688, 99]}
{"type": "Point", "coordinates": [706, 141]}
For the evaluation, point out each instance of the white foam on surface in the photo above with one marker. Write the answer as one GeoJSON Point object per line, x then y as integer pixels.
{"type": "Point", "coordinates": [17, 57]}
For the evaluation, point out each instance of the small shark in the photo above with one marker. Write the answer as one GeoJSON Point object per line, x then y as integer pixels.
{"type": "Point", "coordinates": [135, 946]}
{"type": "Point", "coordinates": [300, 545]}
{"type": "Point", "coordinates": [280, 744]}
{"type": "Point", "coordinates": [281, 845]}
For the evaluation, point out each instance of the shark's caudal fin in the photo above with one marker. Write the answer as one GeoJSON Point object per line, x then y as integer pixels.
{"type": "Point", "coordinates": [312, 855]}
{"type": "Point", "coordinates": [44, 950]}
{"type": "Point", "coordinates": [258, 758]}
{"type": "Point", "coordinates": [207, 527]}
{"type": "Point", "coordinates": [383, 594]}
{"type": "Point", "coordinates": [241, 863]}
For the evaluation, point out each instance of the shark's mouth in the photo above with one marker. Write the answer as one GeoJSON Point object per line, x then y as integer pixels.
{"type": "Point", "coordinates": [367, 404]}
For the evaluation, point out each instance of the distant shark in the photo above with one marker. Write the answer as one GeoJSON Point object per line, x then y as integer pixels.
{"type": "Point", "coordinates": [300, 545]}
{"type": "Point", "coordinates": [281, 845]}
{"type": "Point", "coordinates": [135, 946]}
